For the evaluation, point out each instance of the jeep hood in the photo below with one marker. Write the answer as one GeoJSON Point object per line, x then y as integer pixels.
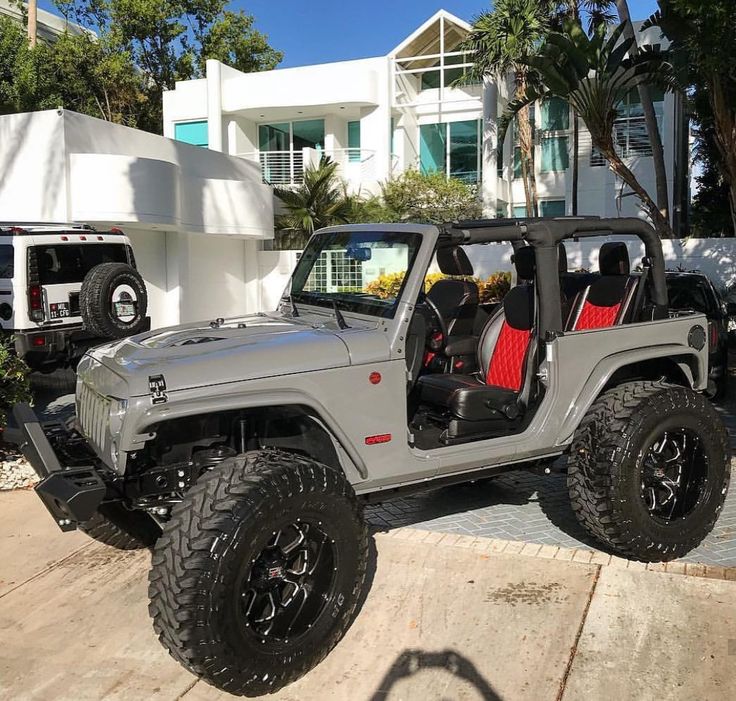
{"type": "Point", "coordinates": [201, 354]}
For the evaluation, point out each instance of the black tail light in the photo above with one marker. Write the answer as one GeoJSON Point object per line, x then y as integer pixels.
{"type": "Point", "coordinates": [713, 335]}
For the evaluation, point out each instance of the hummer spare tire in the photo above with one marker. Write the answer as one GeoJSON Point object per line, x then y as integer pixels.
{"type": "Point", "coordinates": [113, 301]}
{"type": "Point", "coordinates": [259, 571]}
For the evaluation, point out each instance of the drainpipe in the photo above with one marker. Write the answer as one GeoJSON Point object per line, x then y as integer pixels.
{"type": "Point", "coordinates": [488, 148]}
{"type": "Point", "coordinates": [214, 104]}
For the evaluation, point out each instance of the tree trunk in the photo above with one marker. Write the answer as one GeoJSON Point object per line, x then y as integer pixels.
{"type": "Point", "coordinates": [526, 147]}
{"type": "Point", "coordinates": [32, 22]}
{"type": "Point", "coordinates": [650, 118]}
{"type": "Point", "coordinates": [724, 122]}
{"type": "Point", "coordinates": [575, 162]}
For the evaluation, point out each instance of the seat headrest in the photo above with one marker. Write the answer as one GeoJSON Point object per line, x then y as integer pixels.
{"type": "Point", "coordinates": [454, 261]}
{"type": "Point", "coordinates": [524, 263]}
{"type": "Point", "coordinates": [561, 258]}
{"type": "Point", "coordinates": [613, 259]}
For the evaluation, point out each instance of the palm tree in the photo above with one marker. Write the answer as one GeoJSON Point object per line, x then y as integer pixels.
{"type": "Point", "coordinates": [702, 40]}
{"type": "Point", "coordinates": [598, 12]}
{"type": "Point", "coordinates": [319, 201]}
{"type": "Point", "coordinates": [593, 75]}
{"type": "Point", "coordinates": [498, 43]}
{"type": "Point", "coordinates": [32, 22]}
{"type": "Point", "coordinates": [650, 118]}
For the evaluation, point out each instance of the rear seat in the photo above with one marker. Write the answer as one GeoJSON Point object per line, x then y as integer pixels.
{"type": "Point", "coordinates": [607, 301]}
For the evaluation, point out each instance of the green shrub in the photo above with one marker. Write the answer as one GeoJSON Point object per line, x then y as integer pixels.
{"type": "Point", "coordinates": [492, 289]}
{"type": "Point", "coordinates": [14, 385]}
{"type": "Point", "coordinates": [386, 286]}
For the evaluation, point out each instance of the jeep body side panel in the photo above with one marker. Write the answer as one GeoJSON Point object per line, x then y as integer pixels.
{"type": "Point", "coordinates": [350, 405]}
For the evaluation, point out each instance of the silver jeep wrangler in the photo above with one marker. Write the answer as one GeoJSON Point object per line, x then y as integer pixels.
{"type": "Point", "coordinates": [242, 450]}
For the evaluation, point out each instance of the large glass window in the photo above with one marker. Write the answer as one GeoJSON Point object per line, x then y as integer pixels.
{"type": "Point", "coordinates": [6, 262]}
{"type": "Point", "coordinates": [309, 134]}
{"type": "Point", "coordinates": [552, 208]}
{"type": "Point", "coordinates": [194, 133]}
{"type": "Point", "coordinates": [292, 136]}
{"type": "Point", "coordinates": [274, 137]}
{"type": "Point", "coordinates": [464, 150]}
{"type": "Point", "coordinates": [344, 268]}
{"type": "Point", "coordinates": [555, 115]}
{"type": "Point", "coordinates": [452, 148]}
{"type": "Point", "coordinates": [555, 157]}
{"type": "Point", "coordinates": [432, 147]}
{"type": "Point", "coordinates": [354, 141]}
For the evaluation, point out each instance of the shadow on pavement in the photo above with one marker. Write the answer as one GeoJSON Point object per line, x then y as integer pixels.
{"type": "Point", "coordinates": [411, 663]}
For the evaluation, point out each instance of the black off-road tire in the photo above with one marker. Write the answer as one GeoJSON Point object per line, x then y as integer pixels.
{"type": "Point", "coordinates": [120, 528]}
{"type": "Point", "coordinates": [203, 563]}
{"type": "Point", "coordinates": [96, 300]}
{"type": "Point", "coordinates": [605, 467]}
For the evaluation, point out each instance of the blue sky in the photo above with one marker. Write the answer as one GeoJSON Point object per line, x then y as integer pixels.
{"type": "Point", "coordinates": [318, 31]}
{"type": "Point", "coordinates": [333, 30]}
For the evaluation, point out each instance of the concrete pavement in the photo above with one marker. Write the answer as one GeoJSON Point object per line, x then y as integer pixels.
{"type": "Point", "coordinates": [447, 617]}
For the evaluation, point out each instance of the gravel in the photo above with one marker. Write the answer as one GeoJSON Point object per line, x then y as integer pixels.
{"type": "Point", "coordinates": [15, 472]}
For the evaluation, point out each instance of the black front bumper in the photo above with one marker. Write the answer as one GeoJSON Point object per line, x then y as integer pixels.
{"type": "Point", "coordinates": [71, 494]}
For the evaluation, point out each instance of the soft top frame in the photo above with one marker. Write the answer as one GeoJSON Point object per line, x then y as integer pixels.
{"type": "Point", "coordinates": [544, 234]}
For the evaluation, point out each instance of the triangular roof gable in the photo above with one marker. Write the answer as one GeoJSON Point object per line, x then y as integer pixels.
{"type": "Point", "coordinates": [449, 17]}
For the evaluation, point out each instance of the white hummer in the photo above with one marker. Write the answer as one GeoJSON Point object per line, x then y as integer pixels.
{"type": "Point", "coordinates": [65, 288]}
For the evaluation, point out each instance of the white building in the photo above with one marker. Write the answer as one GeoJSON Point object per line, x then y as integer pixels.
{"type": "Point", "coordinates": [379, 116]}
{"type": "Point", "coordinates": [194, 218]}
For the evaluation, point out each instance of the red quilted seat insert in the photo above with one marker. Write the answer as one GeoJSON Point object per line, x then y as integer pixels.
{"type": "Point", "coordinates": [593, 316]}
{"type": "Point", "coordinates": [506, 368]}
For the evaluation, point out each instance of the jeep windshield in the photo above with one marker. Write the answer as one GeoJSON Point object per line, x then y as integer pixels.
{"type": "Point", "coordinates": [362, 272]}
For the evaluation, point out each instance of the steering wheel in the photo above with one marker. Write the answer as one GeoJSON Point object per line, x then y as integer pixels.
{"type": "Point", "coordinates": [438, 323]}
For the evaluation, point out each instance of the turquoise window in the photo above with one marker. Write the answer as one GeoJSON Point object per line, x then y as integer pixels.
{"type": "Point", "coordinates": [274, 137]}
{"type": "Point", "coordinates": [464, 150]}
{"type": "Point", "coordinates": [354, 141]}
{"type": "Point", "coordinates": [555, 115]}
{"type": "Point", "coordinates": [194, 133]}
{"type": "Point", "coordinates": [432, 147]}
{"type": "Point", "coordinates": [309, 133]}
{"type": "Point", "coordinates": [519, 211]}
{"type": "Point", "coordinates": [555, 157]}
{"type": "Point", "coordinates": [517, 162]}
{"type": "Point", "coordinates": [552, 208]}
{"type": "Point", "coordinates": [430, 80]}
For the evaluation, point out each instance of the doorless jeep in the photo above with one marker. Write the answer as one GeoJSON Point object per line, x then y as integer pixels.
{"type": "Point", "coordinates": [241, 450]}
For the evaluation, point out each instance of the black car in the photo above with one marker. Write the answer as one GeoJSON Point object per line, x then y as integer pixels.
{"type": "Point", "coordinates": [693, 290]}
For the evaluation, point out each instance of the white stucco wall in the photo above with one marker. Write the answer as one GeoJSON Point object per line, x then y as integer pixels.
{"type": "Point", "coordinates": [192, 214]}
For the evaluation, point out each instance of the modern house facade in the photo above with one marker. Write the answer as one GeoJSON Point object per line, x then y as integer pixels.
{"type": "Point", "coordinates": [378, 117]}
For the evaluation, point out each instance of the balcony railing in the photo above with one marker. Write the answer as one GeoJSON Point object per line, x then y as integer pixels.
{"type": "Point", "coordinates": [355, 165]}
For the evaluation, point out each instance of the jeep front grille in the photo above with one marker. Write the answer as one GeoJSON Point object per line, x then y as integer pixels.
{"type": "Point", "coordinates": [94, 415]}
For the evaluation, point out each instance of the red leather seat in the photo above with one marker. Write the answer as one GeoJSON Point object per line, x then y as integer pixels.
{"type": "Point", "coordinates": [606, 301]}
{"type": "Point", "coordinates": [497, 390]}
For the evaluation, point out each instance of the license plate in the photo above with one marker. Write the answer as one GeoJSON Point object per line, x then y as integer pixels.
{"type": "Point", "coordinates": [59, 310]}
{"type": "Point", "coordinates": [124, 309]}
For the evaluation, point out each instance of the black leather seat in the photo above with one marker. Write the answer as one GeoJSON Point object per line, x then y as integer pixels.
{"type": "Point", "coordinates": [456, 301]}
{"type": "Point", "coordinates": [607, 300]}
{"type": "Point", "coordinates": [499, 391]}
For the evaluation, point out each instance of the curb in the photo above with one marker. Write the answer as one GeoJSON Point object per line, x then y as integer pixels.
{"type": "Point", "coordinates": [554, 552]}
